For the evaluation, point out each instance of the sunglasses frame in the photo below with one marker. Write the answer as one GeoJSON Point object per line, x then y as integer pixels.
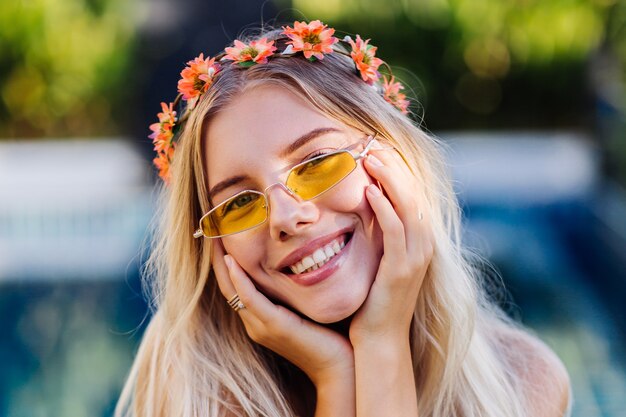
{"type": "Point", "coordinates": [371, 139]}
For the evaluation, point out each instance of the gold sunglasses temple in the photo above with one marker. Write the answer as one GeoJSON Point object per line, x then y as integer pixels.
{"type": "Point", "coordinates": [363, 153]}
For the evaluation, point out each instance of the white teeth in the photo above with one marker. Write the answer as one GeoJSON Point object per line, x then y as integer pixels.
{"type": "Point", "coordinates": [318, 258]}
{"type": "Point", "coordinates": [297, 268]}
{"type": "Point", "coordinates": [307, 262]}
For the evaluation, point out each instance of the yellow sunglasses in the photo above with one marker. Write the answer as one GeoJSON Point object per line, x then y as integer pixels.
{"type": "Point", "coordinates": [306, 180]}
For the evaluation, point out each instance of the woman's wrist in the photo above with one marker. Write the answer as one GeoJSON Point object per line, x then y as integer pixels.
{"type": "Point", "coordinates": [390, 336]}
{"type": "Point", "coordinates": [336, 392]}
{"type": "Point", "coordinates": [388, 350]}
{"type": "Point", "coordinates": [329, 376]}
{"type": "Point", "coordinates": [384, 378]}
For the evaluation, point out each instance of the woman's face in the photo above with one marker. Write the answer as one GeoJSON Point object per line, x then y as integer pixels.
{"type": "Point", "coordinates": [252, 141]}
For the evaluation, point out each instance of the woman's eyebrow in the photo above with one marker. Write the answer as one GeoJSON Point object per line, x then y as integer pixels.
{"type": "Point", "coordinates": [304, 139]}
{"type": "Point", "coordinates": [228, 182]}
{"type": "Point", "coordinates": [295, 145]}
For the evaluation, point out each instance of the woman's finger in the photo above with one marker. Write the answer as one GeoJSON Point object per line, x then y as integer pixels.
{"type": "Point", "coordinates": [420, 239]}
{"type": "Point", "coordinates": [229, 290]}
{"type": "Point", "coordinates": [393, 153]}
{"type": "Point", "coordinates": [221, 271]}
{"type": "Point", "coordinates": [405, 194]}
{"type": "Point", "coordinates": [255, 302]}
{"type": "Point", "coordinates": [394, 239]}
{"type": "Point", "coordinates": [309, 346]}
{"type": "Point", "coordinates": [399, 186]}
{"type": "Point", "coordinates": [242, 284]}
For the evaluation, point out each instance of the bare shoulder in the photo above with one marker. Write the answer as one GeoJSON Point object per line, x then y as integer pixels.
{"type": "Point", "coordinates": [544, 377]}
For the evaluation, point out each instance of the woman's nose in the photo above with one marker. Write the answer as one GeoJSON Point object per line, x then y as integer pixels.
{"type": "Point", "coordinates": [288, 213]}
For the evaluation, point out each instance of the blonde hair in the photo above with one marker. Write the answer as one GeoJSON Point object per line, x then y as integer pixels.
{"type": "Point", "coordinates": [196, 358]}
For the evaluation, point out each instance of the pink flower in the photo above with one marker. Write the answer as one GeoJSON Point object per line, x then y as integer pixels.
{"type": "Point", "coordinates": [163, 131]}
{"type": "Point", "coordinates": [197, 77]}
{"type": "Point", "coordinates": [256, 52]}
{"type": "Point", "coordinates": [365, 59]}
{"type": "Point", "coordinates": [391, 93]}
{"type": "Point", "coordinates": [313, 39]}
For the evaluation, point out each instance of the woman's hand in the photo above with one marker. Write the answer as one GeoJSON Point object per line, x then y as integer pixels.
{"type": "Point", "coordinates": [379, 332]}
{"type": "Point", "coordinates": [323, 354]}
{"type": "Point", "coordinates": [408, 248]}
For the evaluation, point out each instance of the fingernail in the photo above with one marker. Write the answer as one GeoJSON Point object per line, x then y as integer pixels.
{"type": "Point", "coordinates": [375, 161]}
{"type": "Point", "coordinates": [373, 190]}
{"type": "Point", "coordinates": [376, 145]}
{"type": "Point", "coordinates": [228, 261]}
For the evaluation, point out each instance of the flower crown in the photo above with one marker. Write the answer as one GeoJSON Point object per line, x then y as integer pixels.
{"type": "Point", "coordinates": [313, 40]}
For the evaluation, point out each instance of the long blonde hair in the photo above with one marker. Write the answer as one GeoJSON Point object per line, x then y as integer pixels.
{"type": "Point", "coordinates": [196, 359]}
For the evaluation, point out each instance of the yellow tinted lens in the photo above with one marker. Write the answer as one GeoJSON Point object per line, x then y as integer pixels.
{"type": "Point", "coordinates": [317, 175]}
{"type": "Point", "coordinates": [238, 213]}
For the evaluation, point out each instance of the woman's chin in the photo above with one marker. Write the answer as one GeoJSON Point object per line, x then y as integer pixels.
{"type": "Point", "coordinates": [340, 303]}
{"type": "Point", "coordinates": [335, 313]}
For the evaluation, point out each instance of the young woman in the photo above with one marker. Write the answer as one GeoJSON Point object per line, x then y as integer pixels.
{"type": "Point", "coordinates": [308, 262]}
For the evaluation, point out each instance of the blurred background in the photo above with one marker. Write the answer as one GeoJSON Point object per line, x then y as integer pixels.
{"type": "Point", "coordinates": [529, 96]}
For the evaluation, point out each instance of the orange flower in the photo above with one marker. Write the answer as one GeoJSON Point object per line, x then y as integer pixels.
{"type": "Point", "coordinates": [365, 59]}
{"type": "Point", "coordinates": [391, 93]}
{"type": "Point", "coordinates": [196, 78]}
{"type": "Point", "coordinates": [313, 39]}
{"type": "Point", "coordinates": [163, 162]}
{"type": "Point", "coordinates": [256, 52]}
{"type": "Point", "coordinates": [163, 131]}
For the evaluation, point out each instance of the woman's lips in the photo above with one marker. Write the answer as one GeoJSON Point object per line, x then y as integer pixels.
{"type": "Point", "coordinates": [310, 247]}
{"type": "Point", "coordinates": [324, 271]}
{"type": "Point", "coordinates": [320, 256]}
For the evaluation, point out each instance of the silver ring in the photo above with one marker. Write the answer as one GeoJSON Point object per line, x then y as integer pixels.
{"type": "Point", "coordinates": [420, 215]}
{"type": "Point", "coordinates": [235, 303]}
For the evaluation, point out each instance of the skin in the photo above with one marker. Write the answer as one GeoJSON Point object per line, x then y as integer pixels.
{"type": "Point", "coordinates": [230, 150]}
{"type": "Point", "coordinates": [366, 372]}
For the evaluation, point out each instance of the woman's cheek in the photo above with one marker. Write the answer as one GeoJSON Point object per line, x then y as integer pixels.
{"type": "Point", "coordinates": [249, 253]}
{"type": "Point", "coordinates": [243, 251]}
{"type": "Point", "coordinates": [350, 193]}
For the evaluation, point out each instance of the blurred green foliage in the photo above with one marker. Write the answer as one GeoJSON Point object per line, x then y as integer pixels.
{"type": "Point", "coordinates": [68, 67]}
{"type": "Point", "coordinates": [616, 93]}
{"type": "Point", "coordinates": [483, 63]}
{"type": "Point", "coordinates": [491, 33]}
{"type": "Point", "coordinates": [63, 66]}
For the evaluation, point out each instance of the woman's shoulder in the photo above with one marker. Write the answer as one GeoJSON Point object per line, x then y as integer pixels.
{"type": "Point", "coordinates": [543, 377]}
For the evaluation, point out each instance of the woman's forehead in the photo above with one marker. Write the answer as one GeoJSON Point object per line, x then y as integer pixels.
{"type": "Point", "coordinates": [259, 124]}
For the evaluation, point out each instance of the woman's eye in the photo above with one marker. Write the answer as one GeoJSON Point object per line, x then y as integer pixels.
{"type": "Point", "coordinates": [315, 154]}
{"type": "Point", "coordinates": [239, 202]}
{"type": "Point", "coordinates": [316, 158]}
{"type": "Point", "coordinates": [312, 161]}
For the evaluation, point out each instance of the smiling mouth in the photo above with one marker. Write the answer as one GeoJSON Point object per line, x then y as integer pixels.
{"type": "Point", "coordinates": [319, 257]}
